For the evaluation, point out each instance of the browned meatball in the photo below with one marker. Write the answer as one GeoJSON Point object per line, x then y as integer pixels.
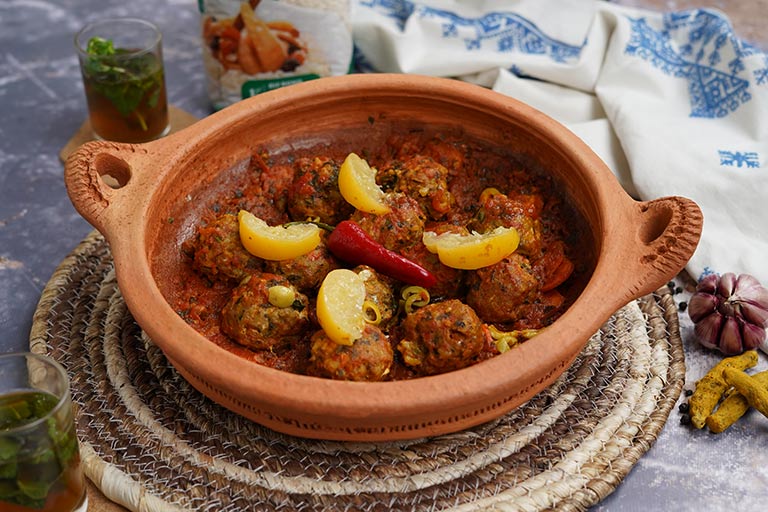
{"type": "Point", "coordinates": [497, 292]}
{"type": "Point", "coordinates": [265, 194]}
{"type": "Point", "coordinates": [441, 337]}
{"type": "Point", "coordinates": [307, 271]}
{"type": "Point", "coordinates": [425, 180]}
{"type": "Point", "coordinates": [450, 281]}
{"type": "Point", "coordinates": [397, 230]}
{"type": "Point", "coordinates": [454, 155]}
{"type": "Point", "coordinates": [251, 320]}
{"type": "Point", "coordinates": [315, 192]}
{"type": "Point", "coordinates": [520, 212]}
{"type": "Point", "coordinates": [367, 359]}
{"type": "Point", "coordinates": [218, 252]}
{"type": "Point", "coordinates": [379, 290]}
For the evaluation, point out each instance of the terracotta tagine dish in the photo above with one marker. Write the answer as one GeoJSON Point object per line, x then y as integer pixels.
{"type": "Point", "coordinates": [206, 228]}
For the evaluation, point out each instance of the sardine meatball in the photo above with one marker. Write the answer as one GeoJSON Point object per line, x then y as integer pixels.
{"type": "Point", "coordinates": [308, 270]}
{"type": "Point", "coordinates": [441, 337]}
{"type": "Point", "coordinates": [379, 290]}
{"type": "Point", "coordinates": [521, 212]}
{"type": "Point", "coordinates": [218, 253]}
{"type": "Point", "coordinates": [314, 192]}
{"type": "Point", "coordinates": [425, 180]}
{"type": "Point", "coordinates": [452, 155]}
{"type": "Point", "coordinates": [251, 319]}
{"type": "Point", "coordinates": [450, 281]}
{"type": "Point", "coordinates": [397, 230]}
{"type": "Point", "coordinates": [367, 359]}
{"type": "Point", "coordinates": [499, 291]}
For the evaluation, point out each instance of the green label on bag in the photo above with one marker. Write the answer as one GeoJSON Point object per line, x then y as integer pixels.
{"type": "Point", "coordinates": [254, 87]}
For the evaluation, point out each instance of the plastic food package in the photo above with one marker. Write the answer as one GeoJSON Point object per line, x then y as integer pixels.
{"type": "Point", "coordinates": [254, 46]}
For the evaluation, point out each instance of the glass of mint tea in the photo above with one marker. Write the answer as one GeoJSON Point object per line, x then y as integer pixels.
{"type": "Point", "coordinates": [40, 465]}
{"type": "Point", "coordinates": [122, 66]}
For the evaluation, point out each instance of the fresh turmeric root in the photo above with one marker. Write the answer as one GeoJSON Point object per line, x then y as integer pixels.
{"type": "Point", "coordinates": [710, 388]}
{"type": "Point", "coordinates": [756, 395]}
{"type": "Point", "coordinates": [733, 406]}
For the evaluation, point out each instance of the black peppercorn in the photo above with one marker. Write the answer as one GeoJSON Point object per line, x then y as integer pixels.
{"type": "Point", "coordinates": [685, 419]}
{"type": "Point", "coordinates": [683, 306]}
{"type": "Point", "coordinates": [684, 407]}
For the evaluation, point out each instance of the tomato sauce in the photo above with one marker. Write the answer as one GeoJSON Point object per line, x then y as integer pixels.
{"type": "Point", "coordinates": [441, 183]}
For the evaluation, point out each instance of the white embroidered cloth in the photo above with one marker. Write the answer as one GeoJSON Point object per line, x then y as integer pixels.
{"type": "Point", "coordinates": [675, 103]}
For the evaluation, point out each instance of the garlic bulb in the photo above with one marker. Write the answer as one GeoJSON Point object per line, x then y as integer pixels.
{"type": "Point", "coordinates": [730, 313]}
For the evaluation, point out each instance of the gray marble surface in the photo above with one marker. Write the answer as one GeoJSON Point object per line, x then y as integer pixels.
{"type": "Point", "coordinates": [43, 106]}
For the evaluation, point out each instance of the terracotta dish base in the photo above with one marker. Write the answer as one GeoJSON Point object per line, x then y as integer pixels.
{"type": "Point", "coordinates": [630, 248]}
{"type": "Point", "coordinates": [150, 441]}
{"type": "Point", "coordinates": [180, 119]}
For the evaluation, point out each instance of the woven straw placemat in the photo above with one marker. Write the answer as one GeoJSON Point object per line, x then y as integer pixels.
{"type": "Point", "coordinates": [152, 442]}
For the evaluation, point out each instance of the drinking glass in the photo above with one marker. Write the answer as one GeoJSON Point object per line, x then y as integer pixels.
{"type": "Point", "coordinates": [40, 466]}
{"type": "Point", "coordinates": [122, 66]}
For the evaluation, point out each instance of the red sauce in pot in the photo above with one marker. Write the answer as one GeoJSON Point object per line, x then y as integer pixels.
{"type": "Point", "coordinates": [438, 184]}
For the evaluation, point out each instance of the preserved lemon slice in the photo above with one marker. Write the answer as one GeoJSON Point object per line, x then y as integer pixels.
{"type": "Point", "coordinates": [340, 306]}
{"type": "Point", "coordinates": [357, 184]}
{"type": "Point", "coordinates": [472, 251]}
{"type": "Point", "coordinates": [276, 243]}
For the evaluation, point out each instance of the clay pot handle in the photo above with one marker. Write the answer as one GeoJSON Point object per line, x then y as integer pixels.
{"type": "Point", "coordinates": [669, 231]}
{"type": "Point", "coordinates": [94, 173]}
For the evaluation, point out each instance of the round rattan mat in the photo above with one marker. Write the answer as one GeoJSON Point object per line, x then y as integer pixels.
{"type": "Point", "coordinates": [152, 442]}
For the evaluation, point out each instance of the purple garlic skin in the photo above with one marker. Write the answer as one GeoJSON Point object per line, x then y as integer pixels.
{"type": "Point", "coordinates": [730, 313]}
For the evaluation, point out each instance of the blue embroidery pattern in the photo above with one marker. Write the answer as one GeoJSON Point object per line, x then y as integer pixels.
{"type": "Point", "coordinates": [361, 62]}
{"type": "Point", "coordinates": [399, 10]}
{"type": "Point", "coordinates": [515, 70]}
{"type": "Point", "coordinates": [750, 159]}
{"type": "Point", "coordinates": [706, 272]}
{"type": "Point", "coordinates": [761, 74]}
{"type": "Point", "coordinates": [710, 58]}
{"type": "Point", "coordinates": [501, 31]}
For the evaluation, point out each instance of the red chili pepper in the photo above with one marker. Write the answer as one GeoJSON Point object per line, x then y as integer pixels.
{"type": "Point", "coordinates": [350, 243]}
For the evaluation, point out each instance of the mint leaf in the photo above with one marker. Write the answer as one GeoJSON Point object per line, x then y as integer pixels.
{"type": "Point", "coordinates": [9, 448]}
{"type": "Point", "coordinates": [100, 46]}
{"type": "Point", "coordinates": [9, 469]}
{"type": "Point", "coordinates": [35, 490]}
{"type": "Point", "coordinates": [123, 81]}
{"type": "Point", "coordinates": [13, 413]}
